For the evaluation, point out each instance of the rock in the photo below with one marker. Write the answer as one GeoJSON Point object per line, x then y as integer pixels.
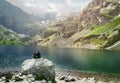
{"type": "Point", "coordinates": [91, 80]}
{"type": "Point", "coordinates": [20, 74]}
{"type": "Point", "coordinates": [100, 82]}
{"type": "Point", "coordinates": [84, 79]}
{"type": "Point", "coordinates": [40, 81]}
{"type": "Point", "coordinates": [43, 81]}
{"type": "Point", "coordinates": [3, 78]}
{"type": "Point", "coordinates": [31, 77]}
{"type": "Point", "coordinates": [17, 78]}
{"type": "Point", "coordinates": [49, 81]}
{"type": "Point", "coordinates": [39, 68]}
{"type": "Point", "coordinates": [73, 79]}
{"type": "Point", "coordinates": [3, 81]}
{"type": "Point", "coordinates": [24, 77]}
{"type": "Point", "coordinates": [79, 78]}
{"type": "Point", "coordinates": [6, 75]}
{"type": "Point", "coordinates": [113, 82]}
{"type": "Point", "coordinates": [0, 80]}
{"type": "Point", "coordinates": [68, 79]}
{"type": "Point", "coordinates": [62, 77]}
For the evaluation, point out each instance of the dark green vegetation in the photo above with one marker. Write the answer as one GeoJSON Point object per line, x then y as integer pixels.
{"type": "Point", "coordinates": [54, 81]}
{"type": "Point", "coordinates": [98, 26]}
{"type": "Point", "coordinates": [9, 37]}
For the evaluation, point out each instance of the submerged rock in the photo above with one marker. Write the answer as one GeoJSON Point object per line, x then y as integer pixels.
{"type": "Point", "coordinates": [39, 68]}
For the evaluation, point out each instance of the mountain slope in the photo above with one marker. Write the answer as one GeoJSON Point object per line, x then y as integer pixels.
{"type": "Point", "coordinates": [98, 26]}
{"type": "Point", "coordinates": [9, 37]}
{"type": "Point", "coordinates": [17, 20]}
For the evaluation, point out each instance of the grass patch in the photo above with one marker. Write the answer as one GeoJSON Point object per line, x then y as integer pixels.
{"type": "Point", "coordinates": [109, 26]}
{"type": "Point", "coordinates": [98, 41]}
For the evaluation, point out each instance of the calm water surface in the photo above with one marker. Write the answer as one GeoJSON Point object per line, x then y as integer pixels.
{"type": "Point", "coordinates": [63, 58]}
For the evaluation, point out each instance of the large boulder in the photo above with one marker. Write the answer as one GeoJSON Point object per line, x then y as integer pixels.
{"type": "Point", "coordinates": [39, 68]}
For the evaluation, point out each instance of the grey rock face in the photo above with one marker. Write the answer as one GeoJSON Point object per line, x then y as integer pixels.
{"type": "Point", "coordinates": [39, 68]}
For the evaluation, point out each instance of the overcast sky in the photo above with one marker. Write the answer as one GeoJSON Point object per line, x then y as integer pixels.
{"type": "Point", "coordinates": [61, 7]}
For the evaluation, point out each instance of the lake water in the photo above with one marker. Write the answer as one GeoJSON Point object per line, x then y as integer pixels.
{"type": "Point", "coordinates": [63, 58]}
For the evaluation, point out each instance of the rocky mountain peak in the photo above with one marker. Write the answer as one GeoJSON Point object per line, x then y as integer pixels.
{"type": "Point", "coordinates": [99, 12]}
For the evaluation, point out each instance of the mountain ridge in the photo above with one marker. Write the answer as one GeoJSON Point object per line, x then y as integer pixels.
{"type": "Point", "coordinates": [17, 20]}
{"type": "Point", "coordinates": [99, 16]}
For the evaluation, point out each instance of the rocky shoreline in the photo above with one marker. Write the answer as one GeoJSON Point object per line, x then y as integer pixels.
{"type": "Point", "coordinates": [43, 71]}
{"type": "Point", "coordinates": [88, 77]}
{"type": "Point", "coordinates": [63, 76]}
{"type": "Point", "coordinates": [38, 70]}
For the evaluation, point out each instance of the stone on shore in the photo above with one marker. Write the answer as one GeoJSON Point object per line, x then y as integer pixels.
{"type": "Point", "coordinates": [39, 68]}
{"type": "Point", "coordinates": [62, 77]}
{"type": "Point", "coordinates": [16, 78]}
{"type": "Point", "coordinates": [67, 78]}
{"type": "Point", "coordinates": [6, 76]}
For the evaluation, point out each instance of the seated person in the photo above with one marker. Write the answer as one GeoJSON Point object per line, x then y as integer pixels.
{"type": "Point", "coordinates": [37, 55]}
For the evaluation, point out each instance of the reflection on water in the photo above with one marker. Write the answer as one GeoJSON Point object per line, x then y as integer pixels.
{"type": "Point", "coordinates": [78, 59]}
